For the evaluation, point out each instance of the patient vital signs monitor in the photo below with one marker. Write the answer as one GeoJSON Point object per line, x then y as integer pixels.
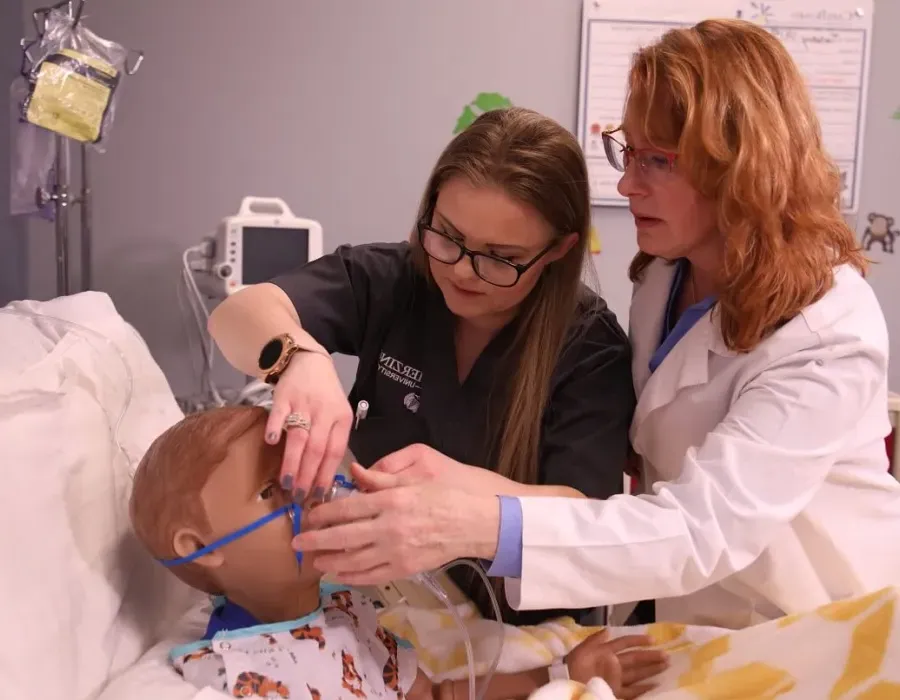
{"type": "Point", "coordinates": [263, 240]}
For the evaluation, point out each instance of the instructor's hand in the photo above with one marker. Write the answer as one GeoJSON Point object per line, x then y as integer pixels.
{"type": "Point", "coordinates": [311, 389]}
{"type": "Point", "coordinates": [375, 538]}
{"type": "Point", "coordinates": [420, 464]}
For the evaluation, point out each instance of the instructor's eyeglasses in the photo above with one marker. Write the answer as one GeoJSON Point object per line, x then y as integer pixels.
{"type": "Point", "coordinates": [651, 162]}
{"type": "Point", "coordinates": [491, 268]}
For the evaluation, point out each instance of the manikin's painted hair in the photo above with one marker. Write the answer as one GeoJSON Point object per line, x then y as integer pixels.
{"type": "Point", "coordinates": [171, 476]}
{"type": "Point", "coordinates": [728, 97]}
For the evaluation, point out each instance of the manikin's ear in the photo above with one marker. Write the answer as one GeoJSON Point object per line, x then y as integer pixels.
{"type": "Point", "coordinates": [188, 541]}
{"type": "Point", "coordinates": [564, 246]}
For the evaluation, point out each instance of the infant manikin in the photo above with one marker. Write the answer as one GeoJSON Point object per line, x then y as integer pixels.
{"type": "Point", "coordinates": [207, 504]}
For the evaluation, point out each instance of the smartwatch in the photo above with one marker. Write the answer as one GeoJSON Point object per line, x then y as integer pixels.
{"type": "Point", "coordinates": [275, 356]}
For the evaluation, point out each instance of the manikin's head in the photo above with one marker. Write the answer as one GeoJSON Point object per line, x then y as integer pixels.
{"type": "Point", "coordinates": [206, 477]}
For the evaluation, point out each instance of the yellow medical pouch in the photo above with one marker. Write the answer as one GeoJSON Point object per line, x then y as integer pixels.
{"type": "Point", "coordinates": [71, 94]}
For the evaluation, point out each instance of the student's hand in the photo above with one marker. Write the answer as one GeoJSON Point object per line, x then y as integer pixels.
{"type": "Point", "coordinates": [622, 663]}
{"type": "Point", "coordinates": [310, 387]}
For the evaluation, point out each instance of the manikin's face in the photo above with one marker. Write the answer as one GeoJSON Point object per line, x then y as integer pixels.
{"type": "Point", "coordinates": [673, 220]}
{"type": "Point", "coordinates": [486, 219]}
{"type": "Point", "coordinates": [260, 565]}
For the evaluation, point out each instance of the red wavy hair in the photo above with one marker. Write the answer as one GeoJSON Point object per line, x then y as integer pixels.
{"type": "Point", "coordinates": [728, 97]}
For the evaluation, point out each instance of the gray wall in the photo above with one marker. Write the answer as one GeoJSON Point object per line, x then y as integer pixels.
{"type": "Point", "coordinates": [881, 167]}
{"type": "Point", "coordinates": [340, 107]}
{"type": "Point", "coordinates": [13, 245]}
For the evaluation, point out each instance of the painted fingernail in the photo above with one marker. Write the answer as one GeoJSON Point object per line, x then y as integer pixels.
{"type": "Point", "coordinates": [318, 494]}
{"type": "Point", "coordinates": [287, 482]}
{"type": "Point", "coordinates": [272, 437]}
{"type": "Point", "coordinates": [299, 496]}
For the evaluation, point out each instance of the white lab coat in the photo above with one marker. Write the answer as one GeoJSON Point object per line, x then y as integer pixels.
{"type": "Point", "coordinates": [769, 491]}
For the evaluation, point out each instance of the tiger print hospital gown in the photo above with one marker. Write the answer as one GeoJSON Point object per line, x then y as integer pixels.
{"type": "Point", "coordinates": [338, 652]}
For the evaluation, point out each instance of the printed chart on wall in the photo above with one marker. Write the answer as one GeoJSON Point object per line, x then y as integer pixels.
{"type": "Point", "coordinates": [830, 40]}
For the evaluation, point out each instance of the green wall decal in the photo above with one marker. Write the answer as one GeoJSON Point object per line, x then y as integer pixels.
{"type": "Point", "coordinates": [484, 102]}
{"type": "Point", "coordinates": [897, 114]}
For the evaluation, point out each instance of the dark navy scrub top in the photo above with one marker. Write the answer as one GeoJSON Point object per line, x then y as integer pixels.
{"type": "Point", "coordinates": [370, 302]}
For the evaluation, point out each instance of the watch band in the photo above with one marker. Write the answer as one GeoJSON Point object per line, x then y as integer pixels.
{"type": "Point", "coordinates": [559, 671]}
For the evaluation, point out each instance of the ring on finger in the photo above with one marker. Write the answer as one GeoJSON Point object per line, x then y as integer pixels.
{"type": "Point", "coordinates": [296, 420]}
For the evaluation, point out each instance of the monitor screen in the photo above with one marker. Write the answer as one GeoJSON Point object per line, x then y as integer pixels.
{"type": "Point", "coordinates": [269, 252]}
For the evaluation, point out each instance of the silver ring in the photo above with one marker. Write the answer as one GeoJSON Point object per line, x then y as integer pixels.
{"type": "Point", "coordinates": [296, 420]}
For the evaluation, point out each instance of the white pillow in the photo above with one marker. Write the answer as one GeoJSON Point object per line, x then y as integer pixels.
{"type": "Point", "coordinates": [81, 599]}
{"type": "Point", "coordinates": [92, 315]}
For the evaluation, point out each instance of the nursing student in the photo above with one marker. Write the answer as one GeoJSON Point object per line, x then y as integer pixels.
{"type": "Point", "coordinates": [477, 340]}
{"type": "Point", "coordinates": [760, 365]}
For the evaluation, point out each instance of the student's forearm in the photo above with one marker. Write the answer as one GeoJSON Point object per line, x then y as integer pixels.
{"type": "Point", "coordinates": [507, 487]}
{"type": "Point", "coordinates": [503, 686]}
{"type": "Point", "coordinates": [550, 490]}
{"type": "Point", "coordinates": [243, 323]}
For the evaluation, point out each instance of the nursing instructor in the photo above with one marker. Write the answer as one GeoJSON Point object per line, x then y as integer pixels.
{"type": "Point", "coordinates": [760, 364]}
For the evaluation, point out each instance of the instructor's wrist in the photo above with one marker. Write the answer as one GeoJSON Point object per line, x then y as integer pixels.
{"type": "Point", "coordinates": [483, 523]}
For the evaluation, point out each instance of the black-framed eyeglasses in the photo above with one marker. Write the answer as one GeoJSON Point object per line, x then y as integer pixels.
{"type": "Point", "coordinates": [491, 268]}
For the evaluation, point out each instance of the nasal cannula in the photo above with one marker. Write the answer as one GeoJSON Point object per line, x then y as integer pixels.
{"type": "Point", "coordinates": [343, 487]}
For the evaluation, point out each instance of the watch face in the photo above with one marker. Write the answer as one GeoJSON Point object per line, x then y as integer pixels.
{"type": "Point", "coordinates": [270, 353]}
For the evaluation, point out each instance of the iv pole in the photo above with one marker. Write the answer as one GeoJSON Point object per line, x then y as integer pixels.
{"type": "Point", "coordinates": [61, 192]}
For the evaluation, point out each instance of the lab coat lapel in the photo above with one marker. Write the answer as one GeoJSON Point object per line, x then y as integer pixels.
{"type": "Point", "coordinates": [648, 310]}
{"type": "Point", "coordinates": [686, 365]}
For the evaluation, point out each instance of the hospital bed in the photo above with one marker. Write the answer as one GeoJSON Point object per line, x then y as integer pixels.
{"type": "Point", "coordinates": [87, 614]}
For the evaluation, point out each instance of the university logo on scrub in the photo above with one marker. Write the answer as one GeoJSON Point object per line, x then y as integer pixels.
{"type": "Point", "coordinates": [404, 374]}
{"type": "Point", "coordinates": [399, 371]}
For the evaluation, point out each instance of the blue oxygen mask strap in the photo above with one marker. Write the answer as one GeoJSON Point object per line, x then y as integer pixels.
{"type": "Point", "coordinates": [292, 510]}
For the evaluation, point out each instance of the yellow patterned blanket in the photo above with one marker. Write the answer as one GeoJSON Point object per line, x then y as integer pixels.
{"type": "Point", "coordinates": [844, 650]}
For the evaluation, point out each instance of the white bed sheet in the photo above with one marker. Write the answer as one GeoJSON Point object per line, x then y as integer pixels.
{"type": "Point", "coordinates": [153, 678]}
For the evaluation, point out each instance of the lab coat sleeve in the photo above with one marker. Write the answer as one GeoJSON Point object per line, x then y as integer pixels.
{"type": "Point", "coordinates": [756, 471]}
{"type": "Point", "coordinates": [342, 296]}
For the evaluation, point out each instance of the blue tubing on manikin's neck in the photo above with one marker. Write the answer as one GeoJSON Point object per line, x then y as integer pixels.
{"type": "Point", "coordinates": [292, 510]}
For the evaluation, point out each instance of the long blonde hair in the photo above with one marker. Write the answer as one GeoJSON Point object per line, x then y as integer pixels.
{"type": "Point", "coordinates": [537, 162]}
{"type": "Point", "coordinates": [729, 98]}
